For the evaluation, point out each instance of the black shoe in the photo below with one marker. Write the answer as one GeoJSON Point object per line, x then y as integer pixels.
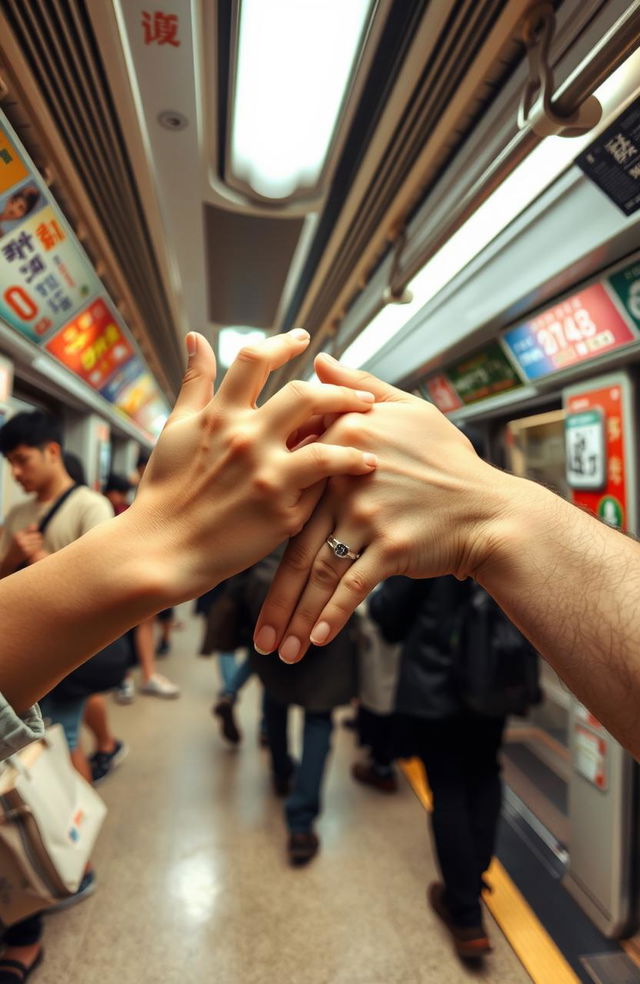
{"type": "Point", "coordinates": [367, 774]}
{"type": "Point", "coordinates": [163, 648]}
{"type": "Point", "coordinates": [470, 942]}
{"type": "Point", "coordinates": [282, 784]}
{"type": "Point", "coordinates": [224, 710]}
{"type": "Point", "coordinates": [102, 763]}
{"type": "Point", "coordinates": [301, 848]}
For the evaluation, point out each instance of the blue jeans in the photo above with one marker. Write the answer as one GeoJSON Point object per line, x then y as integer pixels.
{"type": "Point", "coordinates": [68, 713]}
{"type": "Point", "coordinates": [234, 675]}
{"type": "Point", "coordinates": [303, 805]}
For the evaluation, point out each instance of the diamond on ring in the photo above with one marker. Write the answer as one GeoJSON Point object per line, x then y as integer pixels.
{"type": "Point", "coordinates": [341, 550]}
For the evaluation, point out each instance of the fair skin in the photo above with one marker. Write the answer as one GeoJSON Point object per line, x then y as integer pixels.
{"type": "Point", "coordinates": [570, 583]}
{"type": "Point", "coordinates": [223, 473]}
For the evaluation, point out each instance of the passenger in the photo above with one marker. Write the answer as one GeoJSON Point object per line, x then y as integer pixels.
{"type": "Point", "coordinates": [225, 632]}
{"type": "Point", "coordinates": [570, 583]}
{"type": "Point", "coordinates": [455, 733]}
{"type": "Point", "coordinates": [378, 668]}
{"type": "Point", "coordinates": [57, 513]}
{"type": "Point", "coordinates": [74, 467]}
{"type": "Point", "coordinates": [18, 206]}
{"type": "Point", "coordinates": [153, 684]}
{"type": "Point", "coordinates": [244, 489]}
{"type": "Point", "coordinates": [326, 680]}
{"type": "Point", "coordinates": [117, 489]}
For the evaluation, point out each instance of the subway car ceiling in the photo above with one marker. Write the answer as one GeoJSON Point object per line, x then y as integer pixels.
{"type": "Point", "coordinates": [367, 171]}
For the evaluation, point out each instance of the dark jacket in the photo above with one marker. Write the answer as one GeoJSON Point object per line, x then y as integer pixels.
{"type": "Point", "coordinates": [324, 679]}
{"type": "Point", "coordinates": [421, 614]}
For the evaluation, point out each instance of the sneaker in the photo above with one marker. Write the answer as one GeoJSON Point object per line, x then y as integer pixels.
{"type": "Point", "coordinates": [125, 693]}
{"type": "Point", "coordinates": [86, 888]}
{"type": "Point", "coordinates": [162, 648]}
{"type": "Point", "coordinates": [228, 726]}
{"type": "Point", "coordinates": [471, 942]}
{"type": "Point", "coordinates": [102, 763]}
{"type": "Point", "coordinates": [159, 686]}
{"type": "Point", "coordinates": [368, 774]}
{"type": "Point", "coordinates": [302, 847]}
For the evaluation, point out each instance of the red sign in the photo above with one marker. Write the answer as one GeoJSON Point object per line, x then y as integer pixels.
{"type": "Point", "coordinates": [92, 345]}
{"type": "Point", "coordinates": [580, 328]}
{"type": "Point", "coordinates": [160, 28]}
{"type": "Point", "coordinates": [609, 502]}
{"type": "Point", "coordinates": [443, 394]}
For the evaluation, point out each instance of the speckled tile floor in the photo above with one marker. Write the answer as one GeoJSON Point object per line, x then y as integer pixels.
{"type": "Point", "coordinates": [193, 879]}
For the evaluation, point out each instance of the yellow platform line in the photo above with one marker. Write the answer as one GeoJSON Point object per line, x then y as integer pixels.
{"type": "Point", "coordinates": [530, 941]}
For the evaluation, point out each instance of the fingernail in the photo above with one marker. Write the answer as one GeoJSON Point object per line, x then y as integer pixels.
{"type": "Point", "coordinates": [366, 396]}
{"type": "Point", "coordinates": [265, 640]}
{"type": "Point", "coordinates": [289, 649]}
{"type": "Point", "coordinates": [370, 459]}
{"type": "Point", "coordinates": [300, 334]}
{"type": "Point", "coordinates": [192, 344]}
{"type": "Point", "coordinates": [320, 633]}
{"type": "Point", "coordinates": [325, 355]}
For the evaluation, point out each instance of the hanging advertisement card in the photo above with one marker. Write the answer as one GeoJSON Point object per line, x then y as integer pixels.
{"type": "Point", "coordinates": [92, 344]}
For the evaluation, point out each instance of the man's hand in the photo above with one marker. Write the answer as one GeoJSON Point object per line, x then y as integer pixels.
{"type": "Point", "coordinates": [29, 545]}
{"type": "Point", "coordinates": [426, 510]}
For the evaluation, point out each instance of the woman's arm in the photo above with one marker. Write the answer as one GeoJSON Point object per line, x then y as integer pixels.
{"type": "Point", "coordinates": [223, 488]}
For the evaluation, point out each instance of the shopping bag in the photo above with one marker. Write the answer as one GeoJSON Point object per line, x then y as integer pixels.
{"type": "Point", "coordinates": [50, 818]}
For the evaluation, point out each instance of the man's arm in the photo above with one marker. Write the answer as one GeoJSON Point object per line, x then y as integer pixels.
{"type": "Point", "coordinates": [570, 583]}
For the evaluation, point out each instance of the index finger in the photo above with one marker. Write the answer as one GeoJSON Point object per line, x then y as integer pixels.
{"type": "Point", "coordinates": [246, 376]}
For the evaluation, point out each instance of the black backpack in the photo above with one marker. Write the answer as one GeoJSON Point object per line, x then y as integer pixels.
{"type": "Point", "coordinates": [496, 668]}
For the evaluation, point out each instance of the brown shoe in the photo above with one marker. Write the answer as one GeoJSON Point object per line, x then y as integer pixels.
{"type": "Point", "coordinates": [471, 942]}
{"type": "Point", "coordinates": [366, 774]}
{"type": "Point", "coordinates": [302, 847]}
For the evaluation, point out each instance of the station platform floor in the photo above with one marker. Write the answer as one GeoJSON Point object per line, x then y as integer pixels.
{"type": "Point", "coordinates": [193, 880]}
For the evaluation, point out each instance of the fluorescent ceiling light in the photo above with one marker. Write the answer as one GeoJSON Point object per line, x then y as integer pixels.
{"type": "Point", "coordinates": [295, 60]}
{"type": "Point", "coordinates": [526, 183]}
{"type": "Point", "coordinates": [231, 340]}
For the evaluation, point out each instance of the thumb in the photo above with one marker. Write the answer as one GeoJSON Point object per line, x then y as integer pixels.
{"type": "Point", "coordinates": [329, 370]}
{"type": "Point", "coordinates": [199, 377]}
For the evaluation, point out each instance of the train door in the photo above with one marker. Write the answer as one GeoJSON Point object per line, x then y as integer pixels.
{"type": "Point", "coordinates": [574, 778]}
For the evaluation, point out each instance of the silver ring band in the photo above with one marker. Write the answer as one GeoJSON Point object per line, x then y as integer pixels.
{"type": "Point", "coordinates": [341, 550]}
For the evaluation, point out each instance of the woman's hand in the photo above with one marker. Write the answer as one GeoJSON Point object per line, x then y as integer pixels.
{"type": "Point", "coordinates": [424, 511]}
{"type": "Point", "coordinates": [228, 480]}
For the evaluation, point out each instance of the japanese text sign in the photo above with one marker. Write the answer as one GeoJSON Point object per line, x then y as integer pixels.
{"type": "Point", "coordinates": [613, 160]}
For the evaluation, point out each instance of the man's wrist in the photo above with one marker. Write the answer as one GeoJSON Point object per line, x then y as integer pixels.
{"type": "Point", "coordinates": [523, 513]}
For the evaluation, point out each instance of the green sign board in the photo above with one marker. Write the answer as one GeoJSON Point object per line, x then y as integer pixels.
{"type": "Point", "coordinates": [484, 374]}
{"type": "Point", "coordinates": [626, 286]}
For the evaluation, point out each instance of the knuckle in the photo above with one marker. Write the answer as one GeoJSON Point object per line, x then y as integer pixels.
{"type": "Point", "coordinates": [396, 546]}
{"type": "Point", "coordinates": [350, 430]}
{"type": "Point", "coordinates": [322, 573]}
{"type": "Point", "coordinates": [241, 441]}
{"type": "Point", "coordinates": [298, 557]}
{"type": "Point", "coordinates": [251, 354]}
{"type": "Point", "coordinates": [265, 483]}
{"type": "Point", "coordinates": [356, 583]}
{"type": "Point", "coordinates": [299, 389]}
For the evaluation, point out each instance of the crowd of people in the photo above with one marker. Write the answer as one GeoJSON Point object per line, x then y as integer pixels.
{"type": "Point", "coordinates": [364, 484]}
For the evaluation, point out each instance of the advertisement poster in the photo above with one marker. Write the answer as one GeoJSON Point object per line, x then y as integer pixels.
{"type": "Point", "coordinates": [599, 459]}
{"type": "Point", "coordinates": [573, 331]}
{"type": "Point", "coordinates": [50, 293]}
{"type": "Point", "coordinates": [612, 161]}
{"type": "Point", "coordinates": [484, 374]}
{"type": "Point", "coordinates": [92, 344]}
{"type": "Point", "coordinates": [442, 394]}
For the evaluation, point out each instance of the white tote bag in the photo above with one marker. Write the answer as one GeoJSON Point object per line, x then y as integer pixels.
{"type": "Point", "coordinates": [50, 818]}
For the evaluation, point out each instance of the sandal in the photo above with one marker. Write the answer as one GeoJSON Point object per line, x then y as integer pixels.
{"type": "Point", "coordinates": [15, 972]}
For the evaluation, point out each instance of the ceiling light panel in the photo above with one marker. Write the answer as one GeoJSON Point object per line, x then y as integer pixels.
{"type": "Point", "coordinates": [295, 64]}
